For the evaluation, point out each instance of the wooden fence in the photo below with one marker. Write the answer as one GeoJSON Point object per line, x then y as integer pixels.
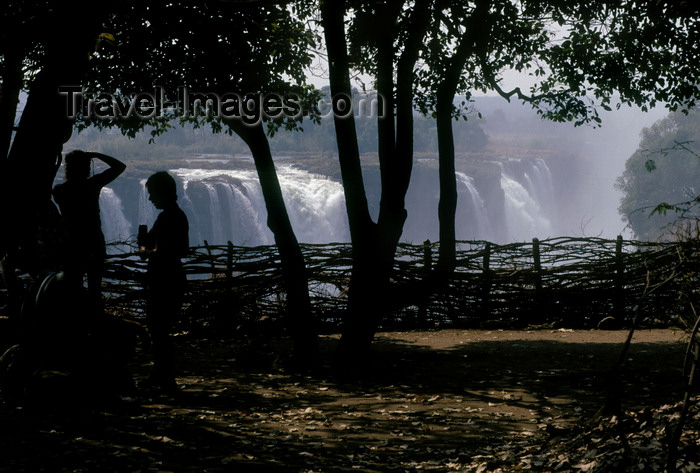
{"type": "Point", "coordinates": [576, 282]}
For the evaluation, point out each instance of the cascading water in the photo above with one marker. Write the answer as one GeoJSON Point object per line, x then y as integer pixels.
{"type": "Point", "coordinates": [316, 206]}
{"type": "Point", "coordinates": [146, 211]}
{"type": "Point", "coordinates": [517, 206]}
{"type": "Point", "coordinates": [224, 206]}
{"type": "Point", "coordinates": [228, 205]}
{"type": "Point", "coordinates": [216, 211]}
{"type": "Point", "coordinates": [480, 222]}
{"type": "Point", "coordinates": [540, 185]}
{"type": "Point", "coordinates": [526, 199]}
{"type": "Point", "coordinates": [115, 226]}
{"type": "Point", "coordinates": [235, 207]}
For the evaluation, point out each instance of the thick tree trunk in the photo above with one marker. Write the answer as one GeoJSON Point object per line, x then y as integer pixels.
{"type": "Point", "coordinates": [364, 294]}
{"type": "Point", "coordinates": [300, 321]}
{"type": "Point", "coordinates": [470, 43]}
{"type": "Point", "coordinates": [9, 97]}
{"type": "Point", "coordinates": [43, 129]}
{"type": "Point", "coordinates": [447, 207]}
{"type": "Point", "coordinates": [396, 129]}
{"type": "Point", "coordinates": [374, 245]}
{"type": "Point", "coordinates": [395, 136]}
{"type": "Point", "coordinates": [395, 158]}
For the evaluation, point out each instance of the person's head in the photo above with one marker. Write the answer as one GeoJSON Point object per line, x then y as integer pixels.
{"type": "Point", "coordinates": [77, 165]}
{"type": "Point", "coordinates": [161, 189]}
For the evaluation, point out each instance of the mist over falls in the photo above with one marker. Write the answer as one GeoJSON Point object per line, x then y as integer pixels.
{"type": "Point", "coordinates": [501, 201]}
{"type": "Point", "coordinates": [530, 178]}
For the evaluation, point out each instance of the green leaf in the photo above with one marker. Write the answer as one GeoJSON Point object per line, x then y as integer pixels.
{"type": "Point", "coordinates": [663, 207]}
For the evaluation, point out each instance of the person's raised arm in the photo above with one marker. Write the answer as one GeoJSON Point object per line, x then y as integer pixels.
{"type": "Point", "coordinates": [116, 167]}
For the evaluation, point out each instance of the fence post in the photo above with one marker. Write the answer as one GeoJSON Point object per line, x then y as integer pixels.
{"type": "Point", "coordinates": [618, 301]}
{"type": "Point", "coordinates": [427, 268]}
{"type": "Point", "coordinates": [486, 286]}
{"type": "Point", "coordinates": [538, 266]}
{"type": "Point", "coordinates": [229, 261]}
{"type": "Point", "coordinates": [536, 316]}
{"type": "Point", "coordinates": [427, 256]}
{"type": "Point", "coordinates": [211, 258]}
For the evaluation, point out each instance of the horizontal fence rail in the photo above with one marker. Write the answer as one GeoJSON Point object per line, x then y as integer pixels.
{"type": "Point", "coordinates": [575, 282]}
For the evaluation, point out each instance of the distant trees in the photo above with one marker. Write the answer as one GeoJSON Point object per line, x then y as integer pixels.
{"type": "Point", "coordinates": [187, 139]}
{"type": "Point", "coordinates": [661, 181]}
{"type": "Point", "coordinates": [321, 137]}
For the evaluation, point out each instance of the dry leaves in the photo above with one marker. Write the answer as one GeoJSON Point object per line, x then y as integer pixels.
{"type": "Point", "coordinates": [634, 444]}
{"type": "Point", "coordinates": [494, 417]}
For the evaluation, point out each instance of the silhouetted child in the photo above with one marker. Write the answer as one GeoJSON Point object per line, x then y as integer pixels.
{"type": "Point", "coordinates": [164, 245]}
{"type": "Point", "coordinates": [78, 198]}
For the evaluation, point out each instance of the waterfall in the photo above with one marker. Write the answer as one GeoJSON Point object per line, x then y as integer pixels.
{"type": "Point", "coordinates": [235, 207]}
{"type": "Point", "coordinates": [540, 185]}
{"type": "Point", "coordinates": [480, 227]}
{"type": "Point", "coordinates": [316, 206]}
{"type": "Point", "coordinates": [521, 206]}
{"type": "Point", "coordinates": [526, 199]}
{"type": "Point", "coordinates": [241, 211]}
{"type": "Point", "coordinates": [216, 212]}
{"type": "Point", "coordinates": [147, 212]}
{"type": "Point", "coordinates": [228, 205]}
{"type": "Point", "coordinates": [115, 226]}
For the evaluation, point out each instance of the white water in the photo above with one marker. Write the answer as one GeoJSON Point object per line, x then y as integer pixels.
{"type": "Point", "coordinates": [540, 186]}
{"type": "Point", "coordinates": [316, 206]}
{"type": "Point", "coordinates": [476, 209]}
{"type": "Point", "coordinates": [526, 201]}
{"type": "Point", "coordinates": [147, 212]}
{"type": "Point", "coordinates": [115, 226]}
{"type": "Point", "coordinates": [228, 205]}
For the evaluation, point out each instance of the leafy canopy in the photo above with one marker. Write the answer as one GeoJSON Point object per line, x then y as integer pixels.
{"type": "Point", "coordinates": [251, 49]}
{"type": "Point", "coordinates": [581, 55]}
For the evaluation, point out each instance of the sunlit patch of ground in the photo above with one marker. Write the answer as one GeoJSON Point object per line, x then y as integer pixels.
{"type": "Point", "coordinates": [448, 400]}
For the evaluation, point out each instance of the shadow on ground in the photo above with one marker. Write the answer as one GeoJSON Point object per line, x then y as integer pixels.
{"type": "Point", "coordinates": [417, 408]}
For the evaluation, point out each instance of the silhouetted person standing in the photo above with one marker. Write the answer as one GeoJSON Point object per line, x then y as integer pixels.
{"type": "Point", "coordinates": [164, 245]}
{"type": "Point", "coordinates": [78, 198]}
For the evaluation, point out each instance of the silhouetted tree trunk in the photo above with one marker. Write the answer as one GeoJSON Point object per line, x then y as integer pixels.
{"type": "Point", "coordinates": [357, 328]}
{"type": "Point", "coordinates": [9, 97]}
{"type": "Point", "coordinates": [474, 36]}
{"type": "Point", "coordinates": [374, 245]}
{"type": "Point", "coordinates": [447, 206]}
{"type": "Point", "coordinates": [43, 129]}
{"type": "Point", "coordinates": [300, 321]}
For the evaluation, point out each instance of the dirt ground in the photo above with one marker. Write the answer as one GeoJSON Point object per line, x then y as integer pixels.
{"type": "Point", "coordinates": [447, 400]}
